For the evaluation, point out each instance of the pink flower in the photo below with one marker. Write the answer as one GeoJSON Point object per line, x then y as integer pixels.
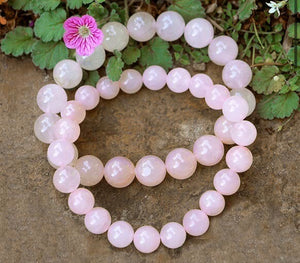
{"type": "Point", "coordinates": [82, 34]}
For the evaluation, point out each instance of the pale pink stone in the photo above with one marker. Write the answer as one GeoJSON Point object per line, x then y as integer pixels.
{"type": "Point", "coordinates": [120, 234]}
{"type": "Point", "coordinates": [227, 182]}
{"type": "Point", "coordinates": [91, 170]}
{"type": "Point", "coordinates": [216, 96]}
{"type": "Point", "coordinates": [195, 222]}
{"type": "Point", "coordinates": [146, 239]}
{"type": "Point", "coordinates": [81, 201]}
{"type": "Point", "coordinates": [66, 129]}
{"type": "Point", "coordinates": [119, 172]}
{"type": "Point", "coordinates": [222, 49]}
{"type": "Point", "coordinates": [170, 26]}
{"type": "Point", "coordinates": [178, 80]}
{"type": "Point", "coordinates": [66, 179]}
{"type": "Point", "coordinates": [222, 130]}
{"type": "Point", "coordinates": [88, 96]}
{"type": "Point", "coordinates": [209, 150]}
{"type": "Point", "coordinates": [67, 73]}
{"type": "Point", "coordinates": [199, 85]}
{"type": "Point", "coordinates": [43, 127]}
{"type": "Point", "coordinates": [235, 108]}
{"type": "Point", "coordinates": [173, 235]}
{"type": "Point", "coordinates": [239, 159]}
{"type": "Point", "coordinates": [131, 81]}
{"type": "Point", "coordinates": [61, 152]}
{"type": "Point", "coordinates": [248, 96]}
{"type": "Point", "coordinates": [72, 162]}
{"type": "Point", "coordinates": [243, 133]}
{"type": "Point", "coordinates": [237, 74]}
{"type": "Point", "coordinates": [74, 111]}
{"type": "Point", "coordinates": [155, 77]}
{"type": "Point", "coordinates": [141, 26]}
{"type": "Point", "coordinates": [212, 203]}
{"type": "Point", "coordinates": [107, 88]}
{"type": "Point", "coordinates": [98, 220]}
{"type": "Point", "coordinates": [199, 33]}
{"type": "Point", "coordinates": [51, 98]}
{"type": "Point", "coordinates": [150, 170]}
{"type": "Point", "coordinates": [181, 163]}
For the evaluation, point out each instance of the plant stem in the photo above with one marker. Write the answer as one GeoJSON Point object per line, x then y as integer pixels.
{"type": "Point", "coordinates": [267, 64]}
{"type": "Point", "coordinates": [248, 46]}
{"type": "Point", "coordinates": [126, 10]}
{"type": "Point", "coordinates": [257, 35]}
{"type": "Point", "coordinates": [261, 33]}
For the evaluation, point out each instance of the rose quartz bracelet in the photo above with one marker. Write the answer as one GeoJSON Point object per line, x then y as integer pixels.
{"type": "Point", "coordinates": [231, 128]}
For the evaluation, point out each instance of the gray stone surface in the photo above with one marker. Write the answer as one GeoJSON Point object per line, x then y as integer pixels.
{"type": "Point", "coordinates": [260, 222]}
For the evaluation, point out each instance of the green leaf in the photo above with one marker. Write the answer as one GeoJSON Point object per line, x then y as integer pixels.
{"type": "Point", "coordinates": [292, 6]}
{"type": "Point", "coordinates": [118, 13]}
{"type": "Point", "coordinates": [131, 54]}
{"type": "Point", "coordinates": [189, 9]}
{"type": "Point", "coordinates": [46, 5]}
{"type": "Point", "coordinates": [156, 53]}
{"type": "Point", "coordinates": [114, 68]}
{"type": "Point", "coordinates": [18, 42]}
{"type": "Point", "coordinates": [92, 78]}
{"type": "Point", "coordinates": [49, 27]}
{"type": "Point", "coordinates": [294, 55]}
{"type": "Point", "coordinates": [294, 30]}
{"type": "Point", "coordinates": [77, 3]}
{"type": "Point", "coordinates": [245, 8]}
{"type": "Point", "coordinates": [278, 106]}
{"type": "Point", "coordinates": [177, 47]}
{"type": "Point", "coordinates": [47, 55]}
{"type": "Point", "coordinates": [267, 81]}
{"type": "Point", "coordinates": [100, 13]}
{"type": "Point", "coordinates": [20, 4]}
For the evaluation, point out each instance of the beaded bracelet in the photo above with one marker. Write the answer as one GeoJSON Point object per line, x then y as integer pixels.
{"type": "Point", "coordinates": [231, 128]}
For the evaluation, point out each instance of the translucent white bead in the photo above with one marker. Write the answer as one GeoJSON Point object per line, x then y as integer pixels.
{"type": "Point", "coordinates": [248, 96]}
{"type": "Point", "coordinates": [67, 73]}
{"type": "Point", "coordinates": [170, 26]}
{"type": "Point", "coordinates": [93, 61]}
{"type": "Point", "coordinates": [116, 36]}
{"type": "Point", "coordinates": [43, 127]}
{"type": "Point", "coordinates": [141, 26]}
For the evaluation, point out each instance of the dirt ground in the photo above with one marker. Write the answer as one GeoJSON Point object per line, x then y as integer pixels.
{"type": "Point", "coordinates": [259, 224]}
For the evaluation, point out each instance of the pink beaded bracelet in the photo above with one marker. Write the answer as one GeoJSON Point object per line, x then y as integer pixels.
{"type": "Point", "coordinates": [231, 128]}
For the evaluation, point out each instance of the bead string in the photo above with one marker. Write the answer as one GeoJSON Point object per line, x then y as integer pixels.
{"type": "Point", "coordinates": [230, 128]}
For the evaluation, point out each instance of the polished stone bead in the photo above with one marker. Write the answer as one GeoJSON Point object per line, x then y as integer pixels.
{"type": "Point", "coordinates": [195, 222]}
{"type": "Point", "coordinates": [107, 88]}
{"type": "Point", "coordinates": [120, 234]}
{"type": "Point", "coordinates": [212, 203]}
{"type": "Point", "coordinates": [172, 235]}
{"type": "Point", "coordinates": [98, 220]}
{"type": "Point", "coordinates": [93, 61]}
{"type": "Point", "coordinates": [43, 127]}
{"type": "Point", "coordinates": [227, 182]}
{"type": "Point", "coordinates": [146, 239]}
{"type": "Point", "coordinates": [81, 201]}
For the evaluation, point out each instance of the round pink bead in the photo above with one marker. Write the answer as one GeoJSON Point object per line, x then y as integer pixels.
{"type": "Point", "coordinates": [146, 239]}
{"type": "Point", "coordinates": [98, 220]}
{"type": "Point", "coordinates": [43, 127]}
{"type": "Point", "coordinates": [212, 203]}
{"type": "Point", "coordinates": [181, 163]}
{"type": "Point", "coordinates": [172, 235]}
{"type": "Point", "coordinates": [51, 98]}
{"type": "Point", "coordinates": [239, 159]}
{"type": "Point", "coordinates": [216, 96]}
{"type": "Point", "coordinates": [227, 182]}
{"type": "Point", "coordinates": [141, 26]}
{"type": "Point", "coordinates": [199, 85]}
{"type": "Point", "coordinates": [195, 222]}
{"type": "Point", "coordinates": [120, 234]}
{"type": "Point", "coordinates": [198, 33]}
{"type": "Point", "coordinates": [107, 88]}
{"type": "Point", "coordinates": [66, 129]}
{"type": "Point", "coordinates": [119, 172]}
{"type": "Point", "coordinates": [155, 77]}
{"type": "Point", "coordinates": [66, 179]}
{"type": "Point", "coordinates": [61, 152]}
{"type": "Point", "coordinates": [209, 150]}
{"type": "Point", "coordinates": [237, 74]}
{"type": "Point", "coordinates": [222, 50]}
{"type": "Point", "coordinates": [74, 111]}
{"type": "Point", "coordinates": [243, 133]}
{"type": "Point", "coordinates": [222, 130]}
{"type": "Point", "coordinates": [81, 201]}
{"type": "Point", "coordinates": [91, 170]}
{"type": "Point", "coordinates": [170, 26]}
{"type": "Point", "coordinates": [235, 108]}
{"type": "Point", "coordinates": [88, 96]}
{"type": "Point", "coordinates": [131, 81]}
{"type": "Point", "coordinates": [178, 80]}
{"type": "Point", "coordinates": [150, 170]}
